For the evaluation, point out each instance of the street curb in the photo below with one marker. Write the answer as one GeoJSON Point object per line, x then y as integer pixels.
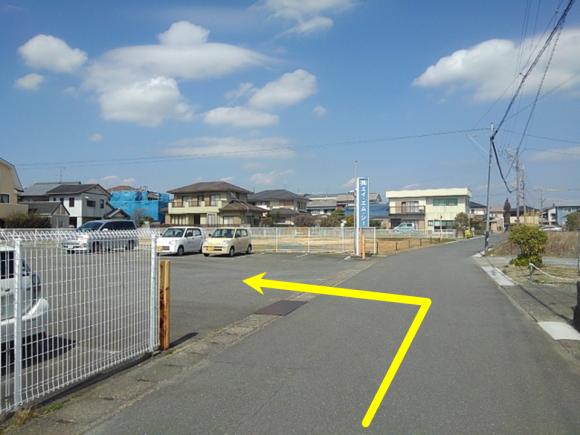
{"type": "Point", "coordinates": [561, 346]}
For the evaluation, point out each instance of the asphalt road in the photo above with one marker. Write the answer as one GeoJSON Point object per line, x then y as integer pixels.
{"type": "Point", "coordinates": [478, 364]}
{"type": "Point", "coordinates": [207, 293]}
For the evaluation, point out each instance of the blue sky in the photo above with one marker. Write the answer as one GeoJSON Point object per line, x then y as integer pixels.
{"type": "Point", "coordinates": [285, 93]}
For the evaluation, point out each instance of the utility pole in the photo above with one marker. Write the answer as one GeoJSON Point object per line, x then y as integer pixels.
{"type": "Point", "coordinates": [487, 209]}
{"type": "Point", "coordinates": [524, 192]}
{"type": "Point", "coordinates": [518, 185]}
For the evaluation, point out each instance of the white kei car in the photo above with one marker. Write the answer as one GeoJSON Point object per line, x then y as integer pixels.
{"type": "Point", "coordinates": [180, 240]}
{"type": "Point", "coordinates": [34, 308]}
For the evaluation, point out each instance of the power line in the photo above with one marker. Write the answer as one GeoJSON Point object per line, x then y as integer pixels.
{"type": "Point", "coordinates": [185, 156]}
{"type": "Point", "coordinates": [525, 76]}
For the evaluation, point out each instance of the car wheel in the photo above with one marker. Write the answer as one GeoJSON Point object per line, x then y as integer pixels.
{"type": "Point", "coordinates": [130, 245]}
{"type": "Point", "coordinates": [180, 251]}
{"type": "Point", "coordinates": [232, 252]}
{"type": "Point", "coordinates": [206, 255]}
{"type": "Point", "coordinates": [96, 247]}
{"type": "Point", "coordinates": [249, 250]}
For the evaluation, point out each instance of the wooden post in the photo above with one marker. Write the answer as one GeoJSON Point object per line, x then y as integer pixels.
{"type": "Point", "coordinates": [164, 302]}
{"type": "Point", "coordinates": [420, 243]}
{"type": "Point", "coordinates": [409, 243]}
{"type": "Point", "coordinates": [364, 245]}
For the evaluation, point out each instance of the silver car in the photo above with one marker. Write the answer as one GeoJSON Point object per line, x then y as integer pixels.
{"type": "Point", "coordinates": [180, 240]}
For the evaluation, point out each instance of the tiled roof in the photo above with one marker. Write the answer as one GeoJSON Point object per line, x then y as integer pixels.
{"type": "Point", "coordinates": [209, 186]}
{"type": "Point", "coordinates": [274, 195]}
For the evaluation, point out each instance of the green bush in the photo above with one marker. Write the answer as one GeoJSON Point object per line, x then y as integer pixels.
{"type": "Point", "coordinates": [23, 220]}
{"type": "Point", "coordinates": [531, 241]}
{"type": "Point", "coordinates": [573, 221]}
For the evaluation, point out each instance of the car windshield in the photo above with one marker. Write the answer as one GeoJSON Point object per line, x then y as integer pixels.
{"type": "Point", "coordinates": [90, 226]}
{"type": "Point", "coordinates": [173, 232]}
{"type": "Point", "coordinates": [225, 233]}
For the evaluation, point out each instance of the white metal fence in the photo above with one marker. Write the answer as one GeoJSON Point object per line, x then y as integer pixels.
{"type": "Point", "coordinates": [72, 305]}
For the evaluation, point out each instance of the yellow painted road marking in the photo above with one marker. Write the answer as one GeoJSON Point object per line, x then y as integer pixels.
{"type": "Point", "coordinates": [258, 282]}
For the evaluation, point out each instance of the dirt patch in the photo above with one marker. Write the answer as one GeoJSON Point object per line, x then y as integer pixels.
{"type": "Point", "coordinates": [565, 244]}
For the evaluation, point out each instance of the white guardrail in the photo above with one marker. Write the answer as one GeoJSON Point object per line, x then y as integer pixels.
{"type": "Point", "coordinates": [73, 305]}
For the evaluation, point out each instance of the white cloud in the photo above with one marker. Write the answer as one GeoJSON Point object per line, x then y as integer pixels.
{"type": "Point", "coordinates": [268, 178]}
{"type": "Point", "coordinates": [146, 103]}
{"type": "Point", "coordinates": [288, 90]}
{"type": "Point", "coordinates": [51, 53]}
{"type": "Point", "coordinates": [184, 33]}
{"type": "Point", "coordinates": [96, 137]}
{"type": "Point", "coordinates": [244, 89]}
{"type": "Point", "coordinates": [29, 82]}
{"type": "Point", "coordinates": [313, 25]}
{"type": "Point", "coordinates": [487, 69]}
{"type": "Point", "coordinates": [349, 184]}
{"type": "Point", "coordinates": [234, 148]}
{"type": "Point", "coordinates": [556, 154]}
{"type": "Point", "coordinates": [319, 110]}
{"type": "Point", "coordinates": [240, 117]}
{"type": "Point", "coordinates": [112, 180]}
{"type": "Point", "coordinates": [149, 74]}
{"type": "Point", "coordinates": [306, 15]}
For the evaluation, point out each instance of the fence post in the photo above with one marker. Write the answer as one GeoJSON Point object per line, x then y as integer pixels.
{"type": "Point", "coordinates": [308, 241]}
{"type": "Point", "coordinates": [153, 296]}
{"type": "Point", "coordinates": [164, 303]}
{"type": "Point", "coordinates": [375, 249]}
{"type": "Point", "coordinates": [276, 238]}
{"type": "Point", "coordinates": [17, 322]}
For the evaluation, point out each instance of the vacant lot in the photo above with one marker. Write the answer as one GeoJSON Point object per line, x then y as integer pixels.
{"type": "Point", "coordinates": [565, 244]}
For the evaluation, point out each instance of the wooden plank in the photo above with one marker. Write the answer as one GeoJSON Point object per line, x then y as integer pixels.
{"type": "Point", "coordinates": [164, 302]}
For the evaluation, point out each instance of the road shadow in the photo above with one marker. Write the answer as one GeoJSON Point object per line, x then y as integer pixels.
{"type": "Point", "coordinates": [35, 350]}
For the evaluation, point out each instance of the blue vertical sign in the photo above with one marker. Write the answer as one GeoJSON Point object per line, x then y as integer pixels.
{"type": "Point", "coordinates": [362, 202]}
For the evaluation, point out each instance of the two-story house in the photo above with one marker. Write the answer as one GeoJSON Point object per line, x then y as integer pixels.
{"type": "Point", "coordinates": [282, 205]}
{"type": "Point", "coordinates": [428, 209]}
{"type": "Point", "coordinates": [212, 203]}
{"type": "Point", "coordinates": [10, 188]}
{"type": "Point", "coordinates": [84, 202]}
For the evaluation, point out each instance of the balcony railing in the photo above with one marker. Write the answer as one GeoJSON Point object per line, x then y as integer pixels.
{"type": "Point", "coordinates": [178, 203]}
{"type": "Point", "coordinates": [407, 209]}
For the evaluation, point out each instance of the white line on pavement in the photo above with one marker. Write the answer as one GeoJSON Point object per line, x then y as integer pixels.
{"type": "Point", "coordinates": [498, 276]}
{"type": "Point", "coordinates": [303, 255]}
{"type": "Point", "coordinates": [560, 330]}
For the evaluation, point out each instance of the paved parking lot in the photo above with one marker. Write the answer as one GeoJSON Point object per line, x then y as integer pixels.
{"type": "Point", "coordinates": [208, 293]}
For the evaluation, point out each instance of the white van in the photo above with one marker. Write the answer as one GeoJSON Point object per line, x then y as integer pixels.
{"type": "Point", "coordinates": [34, 307]}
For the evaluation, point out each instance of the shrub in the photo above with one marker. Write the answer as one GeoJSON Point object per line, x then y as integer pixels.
{"type": "Point", "coordinates": [531, 241]}
{"type": "Point", "coordinates": [23, 220]}
{"type": "Point", "coordinates": [573, 221]}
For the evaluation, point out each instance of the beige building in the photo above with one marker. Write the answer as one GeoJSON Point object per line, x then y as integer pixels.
{"type": "Point", "coordinates": [428, 209]}
{"type": "Point", "coordinates": [212, 204]}
{"type": "Point", "coordinates": [10, 188]}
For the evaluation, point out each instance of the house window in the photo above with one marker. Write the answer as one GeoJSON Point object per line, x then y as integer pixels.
{"type": "Point", "coordinates": [444, 201]}
{"type": "Point", "coordinates": [102, 203]}
{"type": "Point", "coordinates": [212, 219]}
{"type": "Point", "coordinates": [229, 220]}
{"type": "Point", "coordinates": [213, 199]}
{"type": "Point", "coordinates": [91, 203]}
{"type": "Point", "coordinates": [71, 202]}
{"type": "Point", "coordinates": [61, 200]}
{"type": "Point", "coordinates": [4, 198]}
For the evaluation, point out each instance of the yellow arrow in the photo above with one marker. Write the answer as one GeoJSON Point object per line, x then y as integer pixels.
{"type": "Point", "coordinates": [258, 282]}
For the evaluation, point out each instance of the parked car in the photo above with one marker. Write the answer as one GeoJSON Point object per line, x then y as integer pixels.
{"type": "Point", "coordinates": [405, 227]}
{"type": "Point", "coordinates": [34, 308]}
{"type": "Point", "coordinates": [92, 237]}
{"type": "Point", "coordinates": [551, 228]}
{"type": "Point", "coordinates": [228, 241]}
{"type": "Point", "coordinates": [180, 240]}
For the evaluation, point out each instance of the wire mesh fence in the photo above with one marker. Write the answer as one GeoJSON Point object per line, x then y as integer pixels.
{"type": "Point", "coordinates": [73, 305]}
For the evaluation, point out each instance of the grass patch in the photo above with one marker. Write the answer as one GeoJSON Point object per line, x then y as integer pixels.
{"type": "Point", "coordinates": [564, 244]}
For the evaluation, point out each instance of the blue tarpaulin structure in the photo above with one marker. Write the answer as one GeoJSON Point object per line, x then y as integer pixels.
{"type": "Point", "coordinates": [141, 203]}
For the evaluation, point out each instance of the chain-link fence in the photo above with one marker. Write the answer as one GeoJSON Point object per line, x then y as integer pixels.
{"type": "Point", "coordinates": [73, 305]}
